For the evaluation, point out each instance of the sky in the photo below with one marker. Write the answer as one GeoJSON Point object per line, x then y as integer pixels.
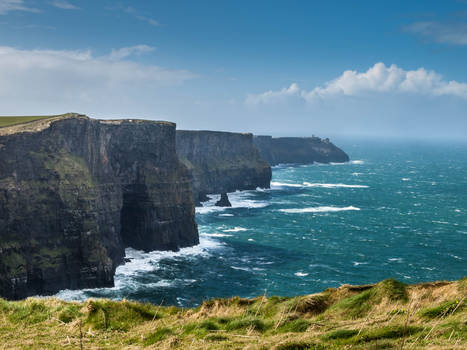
{"type": "Point", "coordinates": [353, 68]}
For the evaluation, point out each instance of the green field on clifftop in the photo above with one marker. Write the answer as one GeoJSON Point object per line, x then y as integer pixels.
{"type": "Point", "coordinates": [9, 121]}
{"type": "Point", "coordinates": [387, 315]}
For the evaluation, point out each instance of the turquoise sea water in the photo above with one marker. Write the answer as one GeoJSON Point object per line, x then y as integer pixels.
{"type": "Point", "coordinates": [396, 210]}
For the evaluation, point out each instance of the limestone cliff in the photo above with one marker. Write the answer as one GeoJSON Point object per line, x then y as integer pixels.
{"type": "Point", "coordinates": [301, 150]}
{"type": "Point", "coordinates": [74, 192]}
{"type": "Point", "coordinates": [222, 161]}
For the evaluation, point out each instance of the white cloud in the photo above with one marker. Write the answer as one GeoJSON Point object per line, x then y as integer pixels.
{"type": "Point", "coordinates": [139, 17]}
{"type": "Point", "coordinates": [64, 5]}
{"type": "Point", "coordinates": [274, 96]}
{"type": "Point", "coordinates": [51, 79]}
{"type": "Point", "coordinates": [446, 33]}
{"type": "Point", "coordinates": [377, 79]}
{"type": "Point", "coordinates": [117, 54]}
{"type": "Point", "coordinates": [14, 5]}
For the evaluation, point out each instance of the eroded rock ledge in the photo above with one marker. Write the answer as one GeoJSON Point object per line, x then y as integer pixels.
{"type": "Point", "coordinates": [300, 150]}
{"type": "Point", "coordinates": [74, 192]}
{"type": "Point", "coordinates": [222, 162]}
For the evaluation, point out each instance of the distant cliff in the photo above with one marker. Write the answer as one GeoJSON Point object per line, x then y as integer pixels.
{"type": "Point", "coordinates": [222, 161]}
{"type": "Point", "coordinates": [74, 192]}
{"type": "Point", "coordinates": [301, 150]}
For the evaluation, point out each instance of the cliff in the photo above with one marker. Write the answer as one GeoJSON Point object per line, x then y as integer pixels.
{"type": "Point", "coordinates": [386, 315]}
{"type": "Point", "coordinates": [74, 192]}
{"type": "Point", "coordinates": [301, 150]}
{"type": "Point", "coordinates": [222, 162]}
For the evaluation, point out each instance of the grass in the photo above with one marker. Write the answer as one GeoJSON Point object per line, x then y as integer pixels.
{"type": "Point", "coordinates": [10, 121]}
{"type": "Point", "coordinates": [387, 315]}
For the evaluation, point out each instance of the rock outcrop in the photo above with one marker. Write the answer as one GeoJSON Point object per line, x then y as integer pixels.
{"type": "Point", "coordinates": [74, 192]}
{"type": "Point", "coordinates": [222, 162]}
{"type": "Point", "coordinates": [300, 150]}
{"type": "Point", "coordinates": [224, 201]}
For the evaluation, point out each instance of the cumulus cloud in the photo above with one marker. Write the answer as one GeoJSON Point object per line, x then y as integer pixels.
{"type": "Point", "coordinates": [446, 33]}
{"type": "Point", "coordinates": [64, 5]}
{"type": "Point", "coordinates": [14, 5]}
{"type": "Point", "coordinates": [78, 78]}
{"type": "Point", "coordinates": [377, 79]}
{"type": "Point", "coordinates": [274, 96]}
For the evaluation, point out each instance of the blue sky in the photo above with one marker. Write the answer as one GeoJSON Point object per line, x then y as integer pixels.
{"type": "Point", "coordinates": [384, 68]}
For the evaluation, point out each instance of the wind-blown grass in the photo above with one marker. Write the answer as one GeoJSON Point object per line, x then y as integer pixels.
{"type": "Point", "coordinates": [387, 315]}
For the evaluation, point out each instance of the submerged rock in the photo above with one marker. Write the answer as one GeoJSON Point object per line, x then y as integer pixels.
{"type": "Point", "coordinates": [74, 192]}
{"type": "Point", "coordinates": [224, 201]}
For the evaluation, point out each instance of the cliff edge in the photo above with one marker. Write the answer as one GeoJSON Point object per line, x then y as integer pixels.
{"type": "Point", "coordinates": [222, 162]}
{"type": "Point", "coordinates": [300, 150]}
{"type": "Point", "coordinates": [74, 192]}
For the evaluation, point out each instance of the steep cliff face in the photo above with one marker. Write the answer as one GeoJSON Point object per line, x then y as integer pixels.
{"type": "Point", "coordinates": [301, 150]}
{"type": "Point", "coordinates": [74, 192]}
{"type": "Point", "coordinates": [222, 161]}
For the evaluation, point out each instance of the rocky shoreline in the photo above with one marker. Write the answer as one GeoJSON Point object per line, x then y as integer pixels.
{"type": "Point", "coordinates": [75, 192]}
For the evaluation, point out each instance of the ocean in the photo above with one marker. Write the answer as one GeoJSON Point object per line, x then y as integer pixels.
{"type": "Point", "coordinates": [396, 210]}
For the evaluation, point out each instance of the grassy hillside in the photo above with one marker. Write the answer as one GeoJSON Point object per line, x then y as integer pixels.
{"type": "Point", "coordinates": [9, 121]}
{"type": "Point", "coordinates": [388, 315]}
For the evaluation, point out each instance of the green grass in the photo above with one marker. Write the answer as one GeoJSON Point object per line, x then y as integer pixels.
{"type": "Point", "coordinates": [157, 336]}
{"type": "Point", "coordinates": [341, 334]}
{"type": "Point", "coordinates": [389, 332]}
{"type": "Point", "coordinates": [360, 304]}
{"type": "Point", "coordinates": [9, 121]}
{"type": "Point", "coordinates": [359, 318]}
{"type": "Point", "coordinates": [441, 310]}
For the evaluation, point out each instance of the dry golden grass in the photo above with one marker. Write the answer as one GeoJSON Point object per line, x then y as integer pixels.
{"type": "Point", "coordinates": [388, 315]}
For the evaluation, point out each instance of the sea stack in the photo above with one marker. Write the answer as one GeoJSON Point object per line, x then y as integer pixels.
{"type": "Point", "coordinates": [223, 201]}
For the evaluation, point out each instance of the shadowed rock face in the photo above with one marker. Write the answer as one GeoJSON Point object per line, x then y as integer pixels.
{"type": "Point", "coordinates": [301, 150]}
{"type": "Point", "coordinates": [222, 162]}
{"type": "Point", "coordinates": [76, 192]}
{"type": "Point", "coordinates": [223, 201]}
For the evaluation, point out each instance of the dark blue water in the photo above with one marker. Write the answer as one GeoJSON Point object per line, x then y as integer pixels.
{"type": "Point", "coordinates": [397, 210]}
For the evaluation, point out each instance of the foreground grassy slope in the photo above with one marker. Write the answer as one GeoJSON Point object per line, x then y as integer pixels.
{"type": "Point", "coordinates": [9, 121]}
{"type": "Point", "coordinates": [388, 315]}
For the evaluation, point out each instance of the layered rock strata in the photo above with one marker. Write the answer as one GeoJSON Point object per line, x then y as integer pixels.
{"type": "Point", "coordinates": [300, 150]}
{"type": "Point", "coordinates": [222, 162]}
{"type": "Point", "coordinates": [74, 192]}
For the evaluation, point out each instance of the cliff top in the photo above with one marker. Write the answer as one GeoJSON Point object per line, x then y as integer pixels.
{"type": "Point", "coordinates": [386, 315]}
{"type": "Point", "coordinates": [12, 125]}
{"type": "Point", "coordinates": [213, 132]}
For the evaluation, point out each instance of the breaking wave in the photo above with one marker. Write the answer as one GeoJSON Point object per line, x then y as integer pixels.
{"type": "Point", "coordinates": [323, 209]}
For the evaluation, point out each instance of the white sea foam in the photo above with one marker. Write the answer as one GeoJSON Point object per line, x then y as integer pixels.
{"type": "Point", "coordinates": [240, 268]}
{"type": "Point", "coordinates": [236, 229]}
{"type": "Point", "coordinates": [142, 262]}
{"type": "Point", "coordinates": [283, 184]}
{"type": "Point", "coordinates": [215, 235]}
{"type": "Point", "coordinates": [323, 209]}
{"type": "Point", "coordinates": [321, 185]}
{"type": "Point", "coordinates": [239, 199]}
{"type": "Point", "coordinates": [300, 274]}
{"type": "Point", "coordinates": [308, 184]}
{"type": "Point", "coordinates": [357, 162]}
